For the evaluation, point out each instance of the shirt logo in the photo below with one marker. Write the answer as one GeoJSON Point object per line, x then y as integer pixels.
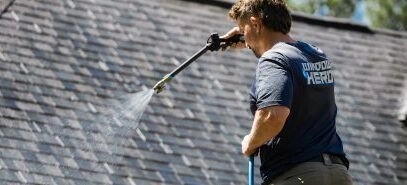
{"type": "Point", "coordinates": [318, 73]}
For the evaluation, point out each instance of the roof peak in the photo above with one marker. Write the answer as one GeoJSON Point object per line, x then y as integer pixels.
{"type": "Point", "coordinates": [339, 23]}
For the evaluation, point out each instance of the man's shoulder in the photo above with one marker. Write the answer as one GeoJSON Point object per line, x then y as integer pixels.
{"type": "Point", "coordinates": [281, 51]}
{"type": "Point", "coordinates": [279, 54]}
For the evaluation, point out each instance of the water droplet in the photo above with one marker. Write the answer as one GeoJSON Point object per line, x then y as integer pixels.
{"type": "Point", "coordinates": [36, 127]}
{"type": "Point", "coordinates": [92, 108]}
{"type": "Point", "coordinates": [71, 4]}
{"type": "Point", "coordinates": [2, 57]}
{"type": "Point", "coordinates": [103, 66]}
{"type": "Point", "coordinates": [37, 28]}
{"type": "Point", "coordinates": [141, 134]}
{"type": "Point", "coordinates": [91, 15]}
{"type": "Point", "coordinates": [189, 113]}
{"type": "Point", "coordinates": [21, 177]}
{"type": "Point", "coordinates": [22, 66]}
{"type": "Point", "coordinates": [186, 160]}
{"type": "Point", "coordinates": [108, 168]}
{"type": "Point", "coordinates": [131, 181]}
{"type": "Point", "coordinates": [59, 141]}
{"type": "Point", "coordinates": [15, 16]}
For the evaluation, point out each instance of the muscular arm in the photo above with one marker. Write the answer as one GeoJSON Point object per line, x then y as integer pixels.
{"type": "Point", "coordinates": [267, 123]}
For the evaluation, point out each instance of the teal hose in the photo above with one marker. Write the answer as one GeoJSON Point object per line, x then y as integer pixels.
{"type": "Point", "coordinates": [251, 170]}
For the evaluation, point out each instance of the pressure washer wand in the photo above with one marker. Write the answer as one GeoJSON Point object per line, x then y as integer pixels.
{"type": "Point", "coordinates": [167, 78]}
{"type": "Point", "coordinates": [214, 43]}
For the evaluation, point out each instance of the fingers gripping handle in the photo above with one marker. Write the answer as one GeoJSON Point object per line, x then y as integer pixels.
{"type": "Point", "coordinates": [235, 39]}
{"type": "Point", "coordinates": [214, 43]}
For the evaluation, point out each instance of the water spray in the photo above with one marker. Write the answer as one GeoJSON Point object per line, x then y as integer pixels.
{"type": "Point", "coordinates": [214, 43]}
{"type": "Point", "coordinates": [130, 108]}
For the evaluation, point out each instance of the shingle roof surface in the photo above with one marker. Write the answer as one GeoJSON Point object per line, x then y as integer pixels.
{"type": "Point", "coordinates": [63, 62]}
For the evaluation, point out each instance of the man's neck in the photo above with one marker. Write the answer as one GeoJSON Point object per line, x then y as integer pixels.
{"type": "Point", "coordinates": [272, 38]}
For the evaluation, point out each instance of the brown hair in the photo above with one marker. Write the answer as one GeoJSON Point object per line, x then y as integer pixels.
{"type": "Point", "coordinates": [274, 14]}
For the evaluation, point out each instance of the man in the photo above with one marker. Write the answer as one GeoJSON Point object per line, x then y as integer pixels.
{"type": "Point", "coordinates": [292, 99]}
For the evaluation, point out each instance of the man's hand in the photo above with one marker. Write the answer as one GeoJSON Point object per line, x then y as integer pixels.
{"type": "Point", "coordinates": [231, 33]}
{"type": "Point", "coordinates": [245, 146]}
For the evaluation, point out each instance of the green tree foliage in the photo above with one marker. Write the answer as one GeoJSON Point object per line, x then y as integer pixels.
{"type": "Point", "coordinates": [336, 8]}
{"type": "Point", "coordinates": [391, 14]}
{"type": "Point", "coordinates": [341, 8]}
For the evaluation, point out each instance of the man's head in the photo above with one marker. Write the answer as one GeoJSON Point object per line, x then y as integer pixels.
{"type": "Point", "coordinates": [257, 17]}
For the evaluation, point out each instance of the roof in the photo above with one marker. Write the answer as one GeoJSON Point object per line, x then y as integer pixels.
{"type": "Point", "coordinates": [65, 62]}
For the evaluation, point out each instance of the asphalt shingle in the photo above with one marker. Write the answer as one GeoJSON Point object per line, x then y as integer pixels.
{"type": "Point", "coordinates": [63, 62]}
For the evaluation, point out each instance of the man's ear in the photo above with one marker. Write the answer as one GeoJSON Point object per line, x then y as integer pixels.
{"type": "Point", "coordinates": [256, 23]}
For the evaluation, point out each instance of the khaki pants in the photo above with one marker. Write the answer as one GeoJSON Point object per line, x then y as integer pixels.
{"type": "Point", "coordinates": [314, 173]}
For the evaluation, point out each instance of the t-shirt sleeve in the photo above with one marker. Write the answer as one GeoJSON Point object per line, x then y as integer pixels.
{"type": "Point", "coordinates": [274, 84]}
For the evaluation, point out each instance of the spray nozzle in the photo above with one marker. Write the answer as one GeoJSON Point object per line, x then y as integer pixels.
{"type": "Point", "coordinates": [160, 86]}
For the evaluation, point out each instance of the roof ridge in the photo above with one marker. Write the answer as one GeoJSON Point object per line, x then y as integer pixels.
{"type": "Point", "coordinates": [341, 23]}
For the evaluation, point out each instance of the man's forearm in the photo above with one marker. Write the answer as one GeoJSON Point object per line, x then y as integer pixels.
{"type": "Point", "coordinates": [267, 123]}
